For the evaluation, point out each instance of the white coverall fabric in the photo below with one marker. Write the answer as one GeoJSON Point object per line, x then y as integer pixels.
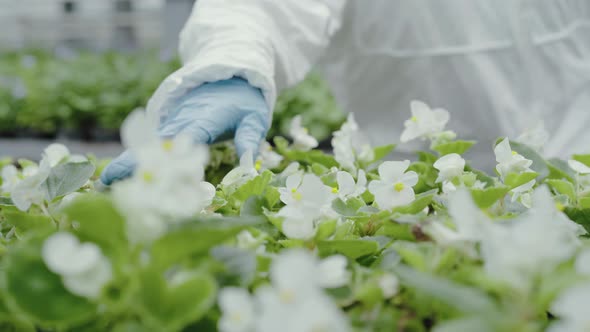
{"type": "Point", "coordinates": [498, 66]}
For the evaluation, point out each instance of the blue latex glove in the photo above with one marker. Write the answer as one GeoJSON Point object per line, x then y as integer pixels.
{"type": "Point", "coordinates": [209, 113]}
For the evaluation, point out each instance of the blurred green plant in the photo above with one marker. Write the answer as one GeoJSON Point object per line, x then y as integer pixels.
{"type": "Point", "coordinates": [88, 95]}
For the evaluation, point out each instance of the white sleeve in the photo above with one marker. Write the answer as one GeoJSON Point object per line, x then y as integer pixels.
{"type": "Point", "coordinates": [270, 43]}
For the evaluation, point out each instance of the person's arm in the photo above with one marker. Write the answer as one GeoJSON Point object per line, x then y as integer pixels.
{"type": "Point", "coordinates": [237, 54]}
{"type": "Point", "coordinates": [270, 43]}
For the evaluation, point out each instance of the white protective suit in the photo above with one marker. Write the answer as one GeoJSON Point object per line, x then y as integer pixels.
{"type": "Point", "coordinates": [498, 66]}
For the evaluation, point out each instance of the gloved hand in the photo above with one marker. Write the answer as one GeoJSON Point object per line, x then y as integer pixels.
{"type": "Point", "coordinates": [209, 113]}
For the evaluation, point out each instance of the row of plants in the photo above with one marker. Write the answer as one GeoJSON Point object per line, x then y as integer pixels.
{"type": "Point", "coordinates": [88, 95]}
{"type": "Point", "coordinates": [296, 239]}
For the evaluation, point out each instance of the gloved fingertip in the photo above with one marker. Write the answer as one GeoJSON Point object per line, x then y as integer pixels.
{"type": "Point", "coordinates": [243, 147]}
{"type": "Point", "coordinates": [120, 168]}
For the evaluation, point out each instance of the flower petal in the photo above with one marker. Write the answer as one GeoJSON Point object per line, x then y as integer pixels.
{"type": "Point", "coordinates": [410, 178]}
{"type": "Point", "coordinates": [578, 167]}
{"type": "Point", "coordinates": [391, 171]}
{"type": "Point", "coordinates": [346, 183]}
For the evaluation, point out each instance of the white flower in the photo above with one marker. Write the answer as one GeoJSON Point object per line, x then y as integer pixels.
{"type": "Point", "coordinates": [448, 187]}
{"type": "Point", "coordinates": [29, 191]}
{"type": "Point", "coordinates": [237, 308]}
{"type": "Point", "coordinates": [424, 122]}
{"type": "Point", "coordinates": [532, 244]}
{"type": "Point", "coordinates": [332, 272]}
{"type": "Point", "coordinates": [292, 169]}
{"type": "Point", "coordinates": [167, 185]}
{"type": "Point", "coordinates": [347, 188]}
{"type": "Point", "coordinates": [30, 170]}
{"type": "Point", "coordinates": [82, 266]}
{"type": "Point", "coordinates": [470, 224]}
{"type": "Point", "coordinates": [395, 187]}
{"type": "Point", "coordinates": [306, 198]}
{"type": "Point", "coordinates": [140, 129]}
{"type": "Point", "coordinates": [578, 167]}
{"type": "Point", "coordinates": [296, 302]}
{"type": "Point", "coordinates": [389, 285]}
{"type": "Point", "coordinates": [510, 161]}
{"type": "Point", "coordinates": [267, 158]}
{"type": "Point", "coordinates": [571, 307]}
{"type": "Point", "coordinates": [9, 178]}
{"type": "Point", "coordinates": [522, 192]}
{"type": "Point", "coordinates": [449, 167]}
{"type": "Point", "coordinates": [302, 140]}
{"type": "Point", "coordinates": [238, 176]}
{"type": "Point", "coordinates": [535, 137]}
{"type": "Point", "coordinates": [350, 144]}
{"type": "Point", "coordinates": [296, 226]}
{"type": "Point", "coordinates": [315, 312]}
{"type": "Point", "coordinates": [55, 153]}
{"type": "Point", "coordinates": [245, 240]}
{"type": "Point", "coordinates": [298, 271]}
{"type": "Point", "coordinates": [582, 264]}
{"type": "Point", "coordinates": [318, 313]}
{"type": "Point", "coordinates": [307, 194]}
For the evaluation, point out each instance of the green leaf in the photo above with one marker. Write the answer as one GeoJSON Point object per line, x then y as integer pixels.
{"type": "Point", "coordinates": [381, 152]}
{"type": "Point", "coordinates": [30, 287]}
{"type": "Point", "coordinates": [458, 147]}
{"type": "Point", "coordinates": [348, 208]}
{"type": "Point", "coordinates": [580, 216]}
{"type": "Point", "coordinates": [252, 207]}
{"type": "Point", "coordinates": [427, 175]}
{"type": "Point", "coordinates": [25, 221]}
{"type": "Point", "coordinates": [481, 176]}
{"type": "Point", "coordinates": [326, 229]}
{"type": "Point", "coordinates": [6, 201]}
{"type": "Point", "coordinates": [583, 158]}
{"type": "Point", "coordinates": [170, 306]}
{"type": "Point", "coordinates": [319, 169]}
{"type": "Point", "coordinates": [463, 298]}
{"type": "Point", "coordinates": [98, 221]}
{"type": "Point", "coordinates": [396, 231]}
{"type": "Point", "coordinates": [304, 157]}
{"type": "Point", "coordinates": [484, 198]}
{"type": "Point", "coordinates": [272, 196]}
{"type": "Point", "coordinates": [352, 249]}
{"type": "Point", "coordinates": [539, 164]}
{"type": "Point", "coordinates": [584, 202]}
{"type": "Point", "coordinates": [196, 238]}
{"type": "Point", "coordinates": [420, 203]}
{"type": "Point", "coordinates": [563, 187]}
{"type": "Point", "coordinates": [559, 169]}
{"type": "Point", "coordinates": [427, 157]}
{"type": "Point", "coordinates": [514, 180]}
{"type": "Point", "coordinates": [254, 187]}
{"type": "Point", "coordinates": [66, 178]}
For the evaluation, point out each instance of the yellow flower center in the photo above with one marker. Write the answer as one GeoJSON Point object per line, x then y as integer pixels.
{"type": "Point", "coordinates": [305, 130]}
{"type": "Point", "coordinates": [167, 145]}
{"type": "Point", "coordinates": [514, 153]}
{"type": "Point", "coordinates": [258, 165]}
{"type": "Point", "coordinates": [398, 187]}
{"type": "Point", "coordinates": [334, 190]}
{"type": "Point", "coordinates": [269, 148]}
{"type": "Point", "coordinates": [414, 119]}
{"type": "Point", "coordinates": [236, 317]}
{"type": "Point", "coordinates": [148, 176]}
{"type": "Point", "coordinates": [287, 296]}
{"type": "Point", "coordinates": [560, 207]}
{"type": "Point", "coordinates": [296, 195]}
